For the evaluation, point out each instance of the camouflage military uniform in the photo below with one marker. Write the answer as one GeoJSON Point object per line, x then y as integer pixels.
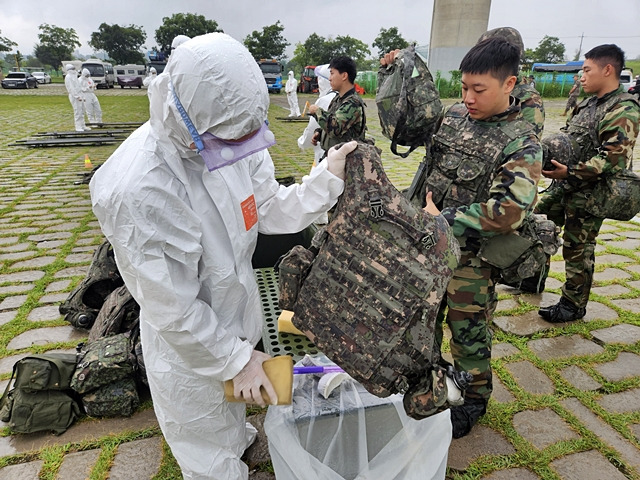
{"type": "Point", "coordinates": [484, 180]}
{"type": "Point", "coordinates": [605, 129]}
{"type": "Point", "coordinates": [531, 106]}
{"type": "Point", "coordinates": [344, 120]}
{"type": "Point", "coordinates": [572, 102]}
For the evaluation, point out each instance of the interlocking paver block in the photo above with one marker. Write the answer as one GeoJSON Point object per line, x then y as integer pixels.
{"type": "Point", "coordinates": [627, 365]}
{"type": "Point", "coordinates": [610, 290]}
{"type": "Point", "coordinates": [22, 471]}
{"type": "Point", "coordinates": [12, 302]}
{"type": "Point", "coordinates": [77, 466]}
{"type": "Point", "coordinates": [501, 350]}
{"type": "Point", "coordinates": [523, 325]}
{"type": "Point", "coordinates": [28, 276]}
{"type": "Point", "coordinates": [622, 402]}
{"type": "Point", "coordinates": [43, 314]}
{"type": "Point", "coordinates": [599, 311]}
{"type": "Point", "coordinates": [563, 347]}
{"type": "Point", "coordinates": [603, 431]}
{"type": "Point", "coordinates": [530, 378]}
{"type": "Point", "coordinates": [624, 333]}
{"type": "Point", "coordinates": [512, 474]}
{"type": "Point", "coordinates": [579, 378]}
{"type": "Point", "coordinates": [43, 336]}
{"type": "Point", "coordinates": [589, 465]}
{"type": "Point", "coordinates": [480, 441]}
{"type": "Point", "coordinates": [612, 259]}
{"type": "Point", "coordinates": [35, 262]}
{"type": "Point", "coordinates": [500, 392]}
{"type": "Point", "coordinates": [542, 428]}
{"type": "Point", "coordinates": [57, 286]}
{"type": "Point", "coordinates": [128, 456]}
{"type": "Point", "coordinates": [610, 274]}
{"type": "Point", "coordinates": [630, 304]}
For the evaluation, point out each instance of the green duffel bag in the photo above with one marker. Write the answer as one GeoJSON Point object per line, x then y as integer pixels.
{"type": "Point", "coordinates": [28, 411]}
{"type": "Point", "coordinates": [51, 371]}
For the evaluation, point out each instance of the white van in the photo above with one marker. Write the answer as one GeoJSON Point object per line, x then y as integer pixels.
{"type": "Point", "coordinates": [101, 72]}
{"type": "Point", "coordinates": [130, 75]}
{"type": "Point", "coordinates": [626, 79]}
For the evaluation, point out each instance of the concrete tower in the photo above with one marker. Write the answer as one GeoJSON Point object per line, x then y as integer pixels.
{"type": "Point", "coordinates": [455, 28]}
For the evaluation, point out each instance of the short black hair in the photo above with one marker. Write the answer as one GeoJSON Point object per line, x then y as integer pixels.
{"type": "Point", "coordinates": [495, 56]}
{"type": "Point", "coordinates": [607, 54]}
{"type": "Point", "coordinates": [345, 64]}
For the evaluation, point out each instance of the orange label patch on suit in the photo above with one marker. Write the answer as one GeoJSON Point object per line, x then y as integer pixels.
{"type": "Point", "coordinates": [249, 212]}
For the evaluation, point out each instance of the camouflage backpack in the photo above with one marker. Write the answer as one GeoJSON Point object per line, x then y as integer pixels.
{"type": "Point", "coordinates": [408, 102]}
{"type": "Point", "coordinates": [105, 375]}
{"type": "Point", "coordinates": [371, 295]}
{"type": "Point", "coordinates": [83, 304]}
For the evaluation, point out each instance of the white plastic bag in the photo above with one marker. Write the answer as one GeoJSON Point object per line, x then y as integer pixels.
{"type": "Point", "coordinates": [353, 435]}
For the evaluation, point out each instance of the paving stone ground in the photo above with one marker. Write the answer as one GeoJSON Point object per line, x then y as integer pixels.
{"type": "Point", "coordinates": [566, 398]}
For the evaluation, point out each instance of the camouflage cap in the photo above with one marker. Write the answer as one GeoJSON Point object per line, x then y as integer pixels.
{"type": "Point", "coordinates": [558, 147]}
{"type": "Point", "coordinates": [510, 34]}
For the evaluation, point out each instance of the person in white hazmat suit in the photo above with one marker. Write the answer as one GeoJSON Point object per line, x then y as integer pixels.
{"type": "Point", "coordinates": [304, 141]}
{"type": "Point", "coordinates": [76, 97]}
{"type": "Point", "coordinates": [149, 79]}
{"type": "Point", "coordinates": [292, 95]}
{"type": "Point", "coordinates": [181, 201]}
{"type": "Point", "coordinates": [91, 103]}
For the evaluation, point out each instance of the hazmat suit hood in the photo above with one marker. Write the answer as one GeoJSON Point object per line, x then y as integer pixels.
{"type": "Point", "coordinates": [322, 74]}
{"type": "Point", "coordinates": [153, 71]}
{"type": "Point", "coordinates": [290, 75]}
{"type": "Point", "coordinates": [179, 40]}
{"type": "Point", "coordinates": [85, 72]}
{"type": "Point", "coordinates": [220, 86]}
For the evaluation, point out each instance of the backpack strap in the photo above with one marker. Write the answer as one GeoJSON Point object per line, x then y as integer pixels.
{"type": "Point", "coordinates": [3, 400]}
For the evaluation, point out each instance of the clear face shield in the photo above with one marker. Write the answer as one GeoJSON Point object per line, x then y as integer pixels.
{"type": "Point", "coordinates": [217, 152]}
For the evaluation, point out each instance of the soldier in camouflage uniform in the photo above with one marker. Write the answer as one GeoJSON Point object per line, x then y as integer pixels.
{"type": "Point", "coordinates": [487, 163]}
{"type": "Point", "coordinates": [604, 127]}
{"type": "Point", "coordinates": [574, 93]}
{"type": "Point", "coordinates": [344, 120]}
{"type": "Point", "coordinates": [531, 106]}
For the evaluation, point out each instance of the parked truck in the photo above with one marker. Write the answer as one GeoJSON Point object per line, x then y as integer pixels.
{"type": "Point", "coordinates": [308, 80]}
{"type": "Point", "coordinates": [272, 71]}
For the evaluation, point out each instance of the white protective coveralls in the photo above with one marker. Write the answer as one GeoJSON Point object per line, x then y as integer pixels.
{"type": "Point", "coordinates": [149, 79]}
{"type": "Point", "coordinates": [292, 95]}
{"type": "Point", "coordinates": [76, 97]}
{"type": "Point", "coordinates": [304, 141]}
{"type": "Point", "coordinates": [183, 238]}
{"type": "Point", "coordinates": [91, 103]}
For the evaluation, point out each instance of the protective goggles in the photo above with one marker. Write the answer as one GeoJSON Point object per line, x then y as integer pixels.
{"type": "Point", "coordinates": [218, 153]}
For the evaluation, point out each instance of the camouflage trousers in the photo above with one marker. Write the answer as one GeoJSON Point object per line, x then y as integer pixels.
{"type": "Point", "coordinates": [468, 308]}
{"type": "Point", "coordinates": [566, 208]}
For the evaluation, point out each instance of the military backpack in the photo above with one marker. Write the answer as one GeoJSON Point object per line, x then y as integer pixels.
{"type": "Point", "coordinates": [370, 297]}
{"type": "Point", "coordinates": [408, 102]}
{"type": "Point", "coordinates": [83, 304]}
{"type": "Point", "coordinates": [41, 397]}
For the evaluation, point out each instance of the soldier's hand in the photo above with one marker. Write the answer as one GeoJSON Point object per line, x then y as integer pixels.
{"type": "Point", "coordinates": [431, 207]}
{"type": "Point", "coordinates": [248, 382]}
{"type": "Point", "coordinates": [313, 109]}
{"type": "Point", "coordinates": [315, 138]}
{"type": "Point", "coordinates": [389, 57]}
{"type": "Point", "coordinates": [561, 171]}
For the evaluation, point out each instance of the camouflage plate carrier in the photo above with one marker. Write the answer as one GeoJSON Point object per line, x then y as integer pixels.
{"type": "Point", "coordinates": [371, 296]}
{"type": "Point", "coordinates": [84, 302]}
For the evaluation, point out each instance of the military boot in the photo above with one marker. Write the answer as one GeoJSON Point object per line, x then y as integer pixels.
{"type": "Point", "coordinates": [563, 311]}
{"type": "Point", "coordinates": [464, 417]}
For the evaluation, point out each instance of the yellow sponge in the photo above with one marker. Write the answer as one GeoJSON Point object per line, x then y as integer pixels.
{"type": "Point", "coordinates": [285, 325]}
{"type": "Point", "coordinates": [280, 372]}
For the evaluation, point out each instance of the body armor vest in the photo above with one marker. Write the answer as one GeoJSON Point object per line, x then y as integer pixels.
{"type": "Point", "coordinates": [466, 159]}
{"type": "Point", "coordinates": [372, 294]}
{"type": "Point", "coordinates": [328, 138]}
{"type": "Point", "coordinates": [583, 126]}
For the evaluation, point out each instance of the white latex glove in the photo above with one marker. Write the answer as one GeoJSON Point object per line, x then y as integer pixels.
{"type": "Point", "coordinates": [337, 158]}
{"type": "Point", "coordinates": [247, 383]}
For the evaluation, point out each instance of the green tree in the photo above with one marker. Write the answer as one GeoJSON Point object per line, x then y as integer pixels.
{"type": "Point", "coordinates": [270, 43]}
{"type": "Point", "coordinates": [188, 24]}
{"type": "Point", "coordinates": [389, 39]}
{"type": "Point", "coordinates": [56, 44]}
{"type": "Point", "coordinates": [350, 47]}
{"type": "Point", "coordinates": [6, 44]}
{"type": "Point", "coordinates": [122, 44]}
{"type": "Point", "coordinates": [317, 50]}
{"type": "Point", "coordinates": [549, 50]}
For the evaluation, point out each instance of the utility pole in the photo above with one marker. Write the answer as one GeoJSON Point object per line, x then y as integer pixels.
{"type": "Point", "coordinates": [580, 47]}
